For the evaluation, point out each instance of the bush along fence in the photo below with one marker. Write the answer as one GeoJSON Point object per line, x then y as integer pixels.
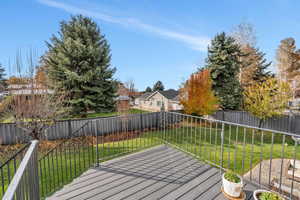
{"type": "Point", "coordinates": [11, 134]}
{"type": "Point", "coordinates": [286, 123]}
{"type": "Point", "coordinates": [261, 156]}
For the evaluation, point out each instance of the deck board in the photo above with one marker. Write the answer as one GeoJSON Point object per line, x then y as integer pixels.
{"type": "Point", "coordinates": [158, 173]}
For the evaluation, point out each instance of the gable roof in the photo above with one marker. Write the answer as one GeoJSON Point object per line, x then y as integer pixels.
{"type": "Point", "coordinates": [145, 95]}
{"type": "Point", "coordinates": [169, 94]}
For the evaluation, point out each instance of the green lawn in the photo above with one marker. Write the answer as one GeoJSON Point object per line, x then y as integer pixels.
{"type": "Point", "coordinates": [8, 119]}
{"type": "Point", "coordinates": [243, 148]}
{"type": "Point", "coordinates": [131, 111]}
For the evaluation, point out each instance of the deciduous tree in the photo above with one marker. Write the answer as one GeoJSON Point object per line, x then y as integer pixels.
{"type": "Point", "coordinates": [17, 80]}
{"type": "Point", "coordinates": [78, 61]}
{"type": "Point", "coordinates": [197, 96]}
{"type": "Point", "coordinates": [244, 34]}
{"type": "Point", "coordinates": [284, 53]}
{"type": "Point", "coordinates": [254, 66]}
{"type": "Point", "coordinates": [41, 76]}
{"type": "Point", "coordinates": [35, 108]}
{"type": "Point", "coordinates": [288, 63]}
{"type": "Point", "coordinates": [267, 99]}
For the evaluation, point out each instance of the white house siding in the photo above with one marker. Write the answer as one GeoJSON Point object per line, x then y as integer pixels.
{"type": "Point", "coordinates": [154, 103]}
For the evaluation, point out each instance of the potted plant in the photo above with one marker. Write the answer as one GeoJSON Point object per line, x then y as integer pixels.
{"type": "Point", "coordinates": [266, 195]}
{"type": "Point", "coordinates": [232, 184]}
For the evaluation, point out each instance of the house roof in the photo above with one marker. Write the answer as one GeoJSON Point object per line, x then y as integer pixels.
{"type": "Point", "coordinates": [123, 98]}
{"type": "Point", "coordinates": [170, 94]}
{"type": "Point", "coordinates": [145, 95]}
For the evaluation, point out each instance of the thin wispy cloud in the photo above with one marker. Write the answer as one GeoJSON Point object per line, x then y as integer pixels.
{"type": "Point", "coordinates": [199, 43]}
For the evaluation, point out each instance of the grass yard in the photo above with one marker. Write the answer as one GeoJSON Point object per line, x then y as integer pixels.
{"type": "Point", "coordinates": [9, 119]}
{"type": "Point", "coordinates": [243, 148]}
{"type": "Point", "coordinates": [110, 114]}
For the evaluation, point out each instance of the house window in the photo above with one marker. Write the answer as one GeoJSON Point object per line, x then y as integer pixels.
{"type": "Point", "coordinates": [158, 103]}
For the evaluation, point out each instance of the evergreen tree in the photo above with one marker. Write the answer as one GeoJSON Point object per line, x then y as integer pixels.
{"type": "Point", "coordinates": [223, 61]}
{"type": "Point", "coordinates": [78, 63]}
{"type": "Point", "coordinates": [158, 86]}
{"type": "Point", "coordinates": [261, 72]}
{"type": "Point", "coordinates": [2, 78]}
{"type": "Point", "coordinates": [254, 66]}
{"type": "Point", "coordinates": [148, 89]}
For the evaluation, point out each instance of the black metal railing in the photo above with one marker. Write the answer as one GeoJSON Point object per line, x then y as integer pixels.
{"type": "Point", "coordinates": [262, 156]}
{"type": "Point", "coordinates": [25, 183]}
{"type": "Point", "coordinates": [9, 167]}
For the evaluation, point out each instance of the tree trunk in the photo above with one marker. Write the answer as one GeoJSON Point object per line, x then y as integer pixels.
{"type": "Point", "coordinates": [261, 121]}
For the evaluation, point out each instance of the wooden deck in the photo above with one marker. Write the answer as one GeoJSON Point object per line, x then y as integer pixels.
{"type": "Point", "coordinates": [158, 173]}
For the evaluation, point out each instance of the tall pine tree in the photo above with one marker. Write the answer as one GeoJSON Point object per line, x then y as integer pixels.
{"type": "Point", "coordinates": [158, 86]}
{"type": "Point", "coordinates": [78, 63]}
{"type": "Point", "coordinates": [148, 89]}
{"type": "Point", "coordinates": [254, 66]}
{"type": "Point", "coordinates": [223, 62]}
{"type": "Point", "coordinates": [2, 78]}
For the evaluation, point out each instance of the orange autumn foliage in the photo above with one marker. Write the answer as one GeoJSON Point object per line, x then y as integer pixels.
{"type": "Point", "coordinates": [41, 77]}
{"type": "Point", "coordinates": [197, 96]}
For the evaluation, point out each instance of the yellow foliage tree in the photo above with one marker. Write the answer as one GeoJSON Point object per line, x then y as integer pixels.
{"type": "Point", "coordinates": [197, 96]}
{"type": "Point", "coordinates": [267, 99]}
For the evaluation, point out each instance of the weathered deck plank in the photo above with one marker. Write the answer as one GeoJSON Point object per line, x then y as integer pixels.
{"type": "Point", "coordinates": [159, 173]}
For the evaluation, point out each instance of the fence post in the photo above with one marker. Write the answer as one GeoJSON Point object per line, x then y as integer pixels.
{"type": "Point", "coordinates": [141, 120]}
{"type": "Point", "coordinates": [69, 128]}
{"type": "Point", "coordinates": [222, 147]}
{"type": "Point", "coordinates": [290, 128]}
{"type": "Point", "coordinates": [157, 121]}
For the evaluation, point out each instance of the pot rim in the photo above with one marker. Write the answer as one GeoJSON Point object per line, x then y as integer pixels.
{"type": "Point", "coordinates": [258, 191]}
{"type": "Point", "coordinates": [239, 183]}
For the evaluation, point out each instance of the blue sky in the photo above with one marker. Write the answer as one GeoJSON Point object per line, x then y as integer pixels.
{"type": "Point", "coordinates": [150, 39]}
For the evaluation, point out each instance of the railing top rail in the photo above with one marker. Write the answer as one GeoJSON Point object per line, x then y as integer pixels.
{"type": "Point", "coordinates": [72, 134]}
{"type": "Point", "coordinates": [240, 125]}
{"type": "Point", "coordinates": [13, 186]}
{"type": "Point", "coordinates": [13, 156]}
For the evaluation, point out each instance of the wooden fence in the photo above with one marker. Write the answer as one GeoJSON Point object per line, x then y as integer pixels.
{"type": "Point", "coordinates": [286, 123]}
{"type": "Point", "coordinates": [11, 134]}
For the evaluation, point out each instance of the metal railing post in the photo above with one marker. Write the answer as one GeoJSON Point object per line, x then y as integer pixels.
{"type": "Point", "coordinates": [164, 125]}
{"type": "Point", "coordinates": [97, 143]}
{"type": "Point", "coordinates": [222, 148]}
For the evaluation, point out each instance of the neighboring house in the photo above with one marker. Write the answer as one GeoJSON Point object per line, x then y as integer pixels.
{"type": "Point", "coordinates": [295, 103]}
{"type": "Point", "coordinates": [158, 100]}
{"type": "Point", "coordinates": [27, 89]}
